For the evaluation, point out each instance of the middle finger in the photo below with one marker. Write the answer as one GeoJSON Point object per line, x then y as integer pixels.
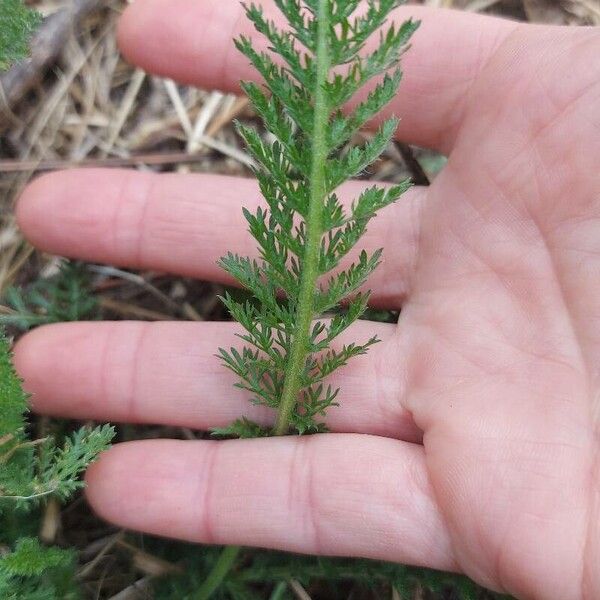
{"type": "Point", "coordinates": [184, 223]}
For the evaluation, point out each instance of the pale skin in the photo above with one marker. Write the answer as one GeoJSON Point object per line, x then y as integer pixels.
{"type": "Point", "coordinates": [469, 439]}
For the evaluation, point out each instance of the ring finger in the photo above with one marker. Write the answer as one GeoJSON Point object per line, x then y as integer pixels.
{"type": "Point", "coordinates": [168, 373]}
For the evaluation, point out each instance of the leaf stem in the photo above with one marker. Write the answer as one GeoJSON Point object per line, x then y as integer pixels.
{"type": "Point", "coordinates": [31, 497]}
{"type": "Point", "coordinates": [218, 573]}
{"type": "Point", "coordinates": [314, 227]}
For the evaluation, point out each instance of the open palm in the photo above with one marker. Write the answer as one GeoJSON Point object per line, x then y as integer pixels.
{"type": "Point", "coordinates": [470, 438]}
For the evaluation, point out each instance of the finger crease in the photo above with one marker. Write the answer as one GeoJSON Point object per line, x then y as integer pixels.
{"type": "Point", "coordinates": [302, 499]}
{"type": "Point", "coordinates": [207, 479]}
{"type": "Point", "coordinates": [136, 367]}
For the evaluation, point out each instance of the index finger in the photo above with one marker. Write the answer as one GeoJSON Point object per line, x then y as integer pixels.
{"type": "Point", "coordinates": [191, 41]}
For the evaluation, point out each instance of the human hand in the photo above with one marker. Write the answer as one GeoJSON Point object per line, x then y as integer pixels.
{"type": "Point", "coordinates": [469, 439]}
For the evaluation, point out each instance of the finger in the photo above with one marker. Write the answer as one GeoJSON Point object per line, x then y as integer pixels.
{"type": "Point", "coordinates": [447, 54]}
{"type": "Point", "coordinates": [336, 494]}
{"type": "Point", "coordinates": [184, 224]}
{"type": "Point", "coordinates": [168, 373]}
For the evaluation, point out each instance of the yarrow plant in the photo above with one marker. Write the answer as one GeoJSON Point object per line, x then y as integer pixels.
{"type": "Point", "coordinates": [65, 296]}
{"type": "Point", "coordinates": [32, 471]}
{"type": "Point", "coordinates": [17, 23]}
{"type": "Point", "coordinates": [302, 298]}
{"type": "Point", "coordinates": [35, 469]}
{"type": "Point", "coordinates": [315, 68]}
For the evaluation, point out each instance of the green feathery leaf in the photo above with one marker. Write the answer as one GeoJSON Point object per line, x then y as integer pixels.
{"type": "Point", "coordinates": [31, 558]}
{"type": "Point", "coordinates": [314, 68]}
{"type": "Point", "coordinates": [35, 572]}
{"type": "Point", "coordinates": [60, 466]}
{"type": "Point", "coordinates": [34, 469]}
{"type": "Point", "coordinates": [17, 23]}
{"type": "Point", "coordinates": [13, 401]}
{"type": "Point", "coordinates": [65, 296]}
{"type": "Point", "coordinates": [242, 428]}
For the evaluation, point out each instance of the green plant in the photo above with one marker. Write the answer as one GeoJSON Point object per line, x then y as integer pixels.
{"type": "Point", "coordinates": [305, 233]}
{"type": "Point", "coordinates": [35, 469]}
{"type": "Point", "coordinates": [31, 471]}
{"type": "Point", "coordinates": [263, 574]}
{"type": "Point", "coordinates": [34, 572]}
{"type": "Point", "coordinates": [66, 296]}
{"type": "Point", "coordinates": [17, 24]}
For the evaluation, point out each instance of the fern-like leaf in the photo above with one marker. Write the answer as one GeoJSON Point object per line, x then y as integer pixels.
{"type": "Point", "coordinates": [315, 68]}
{"type": "Point", "coordinates": [65, 296]}
{"type": "Point", "coordinates": [34, 469]}
{"type": "Point", "coordinates": [17, 23]}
